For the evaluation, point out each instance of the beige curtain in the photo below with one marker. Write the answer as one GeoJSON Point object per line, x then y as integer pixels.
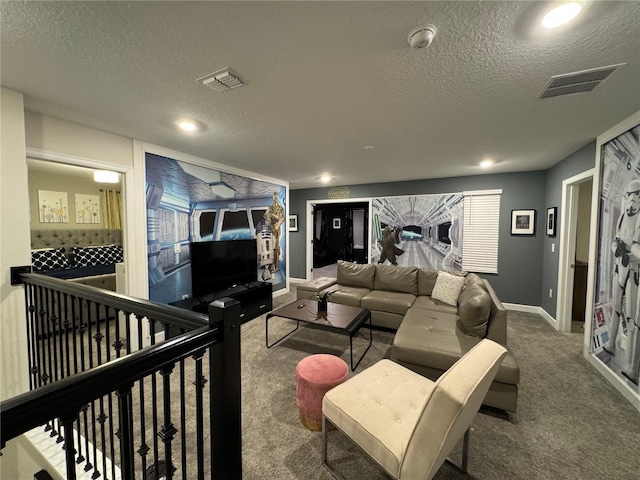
{"type": "Point", "coordinates": [111, 209]}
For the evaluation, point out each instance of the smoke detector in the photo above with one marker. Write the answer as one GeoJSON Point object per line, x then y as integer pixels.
{"type": "Point", "coordinates": [422, 36]}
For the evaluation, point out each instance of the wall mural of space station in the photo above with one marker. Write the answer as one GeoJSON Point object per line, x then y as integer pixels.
{"type": "Point", "coordinates": [191, 203]}
{"type": "Point", "coordinates": [420, 230]}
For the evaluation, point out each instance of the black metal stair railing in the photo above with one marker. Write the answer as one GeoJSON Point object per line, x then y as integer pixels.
{"type": "Point", "coordinates": [121, 410]}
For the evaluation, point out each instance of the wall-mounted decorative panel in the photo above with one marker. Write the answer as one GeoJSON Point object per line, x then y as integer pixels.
{"type": "Point", "coordinates": [615, 330]}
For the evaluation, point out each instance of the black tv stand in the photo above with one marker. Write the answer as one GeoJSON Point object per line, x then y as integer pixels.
{"type": "Point", "coordinates": [254, 297]}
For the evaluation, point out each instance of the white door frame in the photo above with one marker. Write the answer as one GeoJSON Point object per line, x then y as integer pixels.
{"type": "Point", "coordinates": [568, 232]}
{"type": "Point", "coordinates": [310, 225]}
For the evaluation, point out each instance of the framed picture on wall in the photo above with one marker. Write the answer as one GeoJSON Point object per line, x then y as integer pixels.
{"type": "Point", "coordinates": [53, 207]}
{"type": "Point", "coordinates": [552, 213]}
{"type": "Point", "coordinates": [293, 223]}
{"type": "Point", "coordinates": [336, 224]}
{"type": "Point", "coordinates": [523, 222]}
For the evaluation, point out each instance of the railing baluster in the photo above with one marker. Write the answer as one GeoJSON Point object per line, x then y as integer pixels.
{"type": "Point", "coordinates": [168, 430]}
{"type": "Point", "coordinates": [57, 329]}
{"type": "Point", "coordinates": [28, 316]}
{"type": "Point", "coordinates": [144, 448]}
{"type": "Point", "coordinates": [89, 331]}
{"type": "Point", "coordinates": [42, 379]}
{"type": "Point", "coordinates": [199, 383]}
{"type": "Point", "coordinates": [98, 336]}
{"type": "Point", "coordinates": [50, 371]}
{"type": "Point", "coordinates": [125, 409]}
{"type": "Point", "coordinates": [117, 344]}
{"type": "Point", "coordinates": [67, 423]}
{"type": "Point", "coordinates": [154, 403]}
{"type": "Point", "coordinates": [74, 333]}
{"type": "Point", "coordinates": [183, 420]}
{"type": "Point", "coordinates": [101, 420]}
{"type": "Point", "coordinates": [107, 331]}
{"type": "Point", "coordinates": [67, 325]}
{"type": "Point", "coordinates": [94, 441]}
{"type": "Point", "coordinates": [88, 466]}
{"type": "Point", "coordinates": [82, 329]}
{"type": "Point", "coordinates": [80, 457]}
{"type": "Point", "coordinates": [112, 434]}
{"type": "Point", "coordinates": [53, 319]}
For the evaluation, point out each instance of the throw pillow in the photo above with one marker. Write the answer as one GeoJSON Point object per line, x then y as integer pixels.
{"type": "Point", "coordinates": [92, 256]}
{"type": "Point", "coordinates": [474, 310]}
{"type": "Point", "coordinates": [49, 259]}
{"type": "Point", "coordinates": [447, 288]}
{"type": "Point", "coordinates": [426, 280]}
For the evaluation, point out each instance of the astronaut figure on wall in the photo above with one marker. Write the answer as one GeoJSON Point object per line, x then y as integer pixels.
{"type": "Point", "coordinates": [626, 302]}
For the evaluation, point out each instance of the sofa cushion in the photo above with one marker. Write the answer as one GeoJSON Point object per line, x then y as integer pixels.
{"type": "Point", "coordinates": [356, 275]}
{"type": "Point", "coordinates": [347, 295]}
{"type": "Point", "coordinates": [426, 280]}
{"type": "Point", "coordinates": [428, 303]}
{"type": "Point", "coordinates": [396, 279]}
{"type": "Point", "coordinates": [474, 309]}
{"type": "Point", "coordinates": [392, 302]}
{"type": "Point", "coordinates": [473, 279]}
{"type": "Point", "coordinates": [436, 341]}
{"type": "Point", "coordinates": [447, 288]}
{"type": "Point", "coordinates": [307, 290]}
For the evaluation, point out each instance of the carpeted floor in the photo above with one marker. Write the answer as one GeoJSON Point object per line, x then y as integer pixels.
{"type": "Point", "coordinates": [571, 423]}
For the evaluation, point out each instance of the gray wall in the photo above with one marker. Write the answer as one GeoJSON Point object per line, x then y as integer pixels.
{"type": "Point", "coordinates": [520, 258]}
{"type": "Point", "coordinates": [576, 163]}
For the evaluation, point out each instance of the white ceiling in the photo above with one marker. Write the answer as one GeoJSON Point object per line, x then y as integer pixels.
{"type": "Point", "coordinates": [326, 79]}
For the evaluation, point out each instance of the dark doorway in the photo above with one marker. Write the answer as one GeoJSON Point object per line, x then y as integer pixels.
{"type": "Point", "coordinates": [340, 232]}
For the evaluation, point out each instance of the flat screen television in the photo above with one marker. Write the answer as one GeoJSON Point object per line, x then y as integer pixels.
{"type": "Point", "coordinates": [219, 265]}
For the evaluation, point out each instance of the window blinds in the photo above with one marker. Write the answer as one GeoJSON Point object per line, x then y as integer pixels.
{"type": "Point", "coordinates": [480, 231]}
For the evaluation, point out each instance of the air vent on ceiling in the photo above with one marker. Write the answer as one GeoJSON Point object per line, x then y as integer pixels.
{"type": "Point", "coordinates": [577, 82]}
{"type": "Point", "coordinates": [222, 80]}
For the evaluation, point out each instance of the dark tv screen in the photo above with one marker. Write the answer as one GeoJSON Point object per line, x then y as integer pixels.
{"type": "Point", "coordinates": [219, 265]}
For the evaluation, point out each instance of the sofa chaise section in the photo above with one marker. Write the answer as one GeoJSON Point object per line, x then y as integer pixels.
{"type": "Point", "coordinates": [431, 334]}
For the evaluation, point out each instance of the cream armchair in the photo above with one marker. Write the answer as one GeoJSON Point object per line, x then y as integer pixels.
{"type": "Point", "coordinates": [407, 423]}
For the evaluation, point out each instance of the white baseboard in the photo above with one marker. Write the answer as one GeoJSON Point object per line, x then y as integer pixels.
{"type": "Point", "coordinates": [516, 307]}
{"type": "Point", "coordinates": [297, 280]}
{"type": "Point", "coordinates": [615, 380]}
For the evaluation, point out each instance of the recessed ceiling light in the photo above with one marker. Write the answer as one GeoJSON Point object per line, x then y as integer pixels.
{"type": "Point", "coordinates": [325, 178]}
{"type": "Point", "coordinates": [105, 176]}
{"type": "Point", "coordinates": [368, 147]}
{"type": "Point", "coordinates": [486, 163]}
{"type": "Point", "coordinates": [561, 14]}
{"type": "Point", "coordinates": [187, 125]}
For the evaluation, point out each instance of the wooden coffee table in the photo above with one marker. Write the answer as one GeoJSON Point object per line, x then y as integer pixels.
{"type": "Point", "coordinates": [338, 318]}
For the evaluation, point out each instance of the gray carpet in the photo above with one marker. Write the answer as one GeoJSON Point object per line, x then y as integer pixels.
{"type": "Point", "coordinates": [571, 423]}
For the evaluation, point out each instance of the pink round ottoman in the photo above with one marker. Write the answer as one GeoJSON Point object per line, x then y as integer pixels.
{"type": "Point", "coordinates": [315, 376]}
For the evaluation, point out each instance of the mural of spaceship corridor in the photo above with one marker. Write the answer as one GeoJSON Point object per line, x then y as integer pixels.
{"type": "Point", "coordinates": [420, 230]}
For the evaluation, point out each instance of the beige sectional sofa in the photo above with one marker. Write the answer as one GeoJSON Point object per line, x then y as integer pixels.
{"type": "Point", "coordinates": [435, 325]}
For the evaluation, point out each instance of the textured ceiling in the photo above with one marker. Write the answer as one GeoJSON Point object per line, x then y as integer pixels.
{"type": "Point", "coordinates": [326, 79]}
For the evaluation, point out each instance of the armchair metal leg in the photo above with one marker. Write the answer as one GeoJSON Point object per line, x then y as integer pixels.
{"type": "Point", "coordinates": [325, 463]}
{"type": "Point", "coordinates": [465, 453]}
{"type": "Point", "coordinates": [465, 450]}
